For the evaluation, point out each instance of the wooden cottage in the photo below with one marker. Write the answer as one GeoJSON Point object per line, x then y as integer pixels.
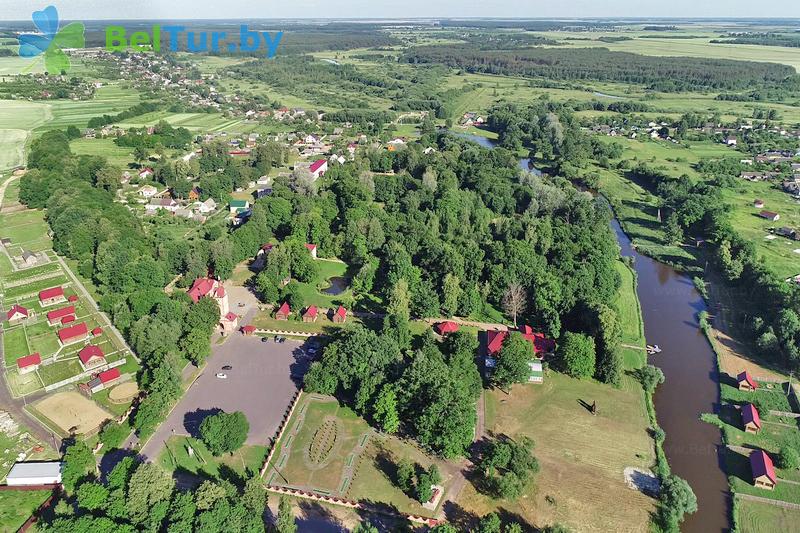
{"type": "Point", "coordinates": [763, 470]}
{"type": "Point", "coordinates": [283, 312]}
{"type": "Point", "coordinates": [746, 382]}
{"type": "Point", "coordinates": [751, 422]}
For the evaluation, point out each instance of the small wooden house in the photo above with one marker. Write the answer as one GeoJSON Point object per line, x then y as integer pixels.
{"type": "Point", "coordinates": [763, 470]}
{"type": "Point", "coordinates": [283, 312]}
{"type": "Point", "coordinates": [751, 422]}
{"type": "Point", "coordinates": [311, 314]}
{"type": "Point", "coordinates": [340, 316]}
{"type": "Point", "coordinates": [746, 382]}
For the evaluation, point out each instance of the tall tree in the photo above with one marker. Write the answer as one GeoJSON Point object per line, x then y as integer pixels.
{"type": "Point", "coordinates": [515, 300]}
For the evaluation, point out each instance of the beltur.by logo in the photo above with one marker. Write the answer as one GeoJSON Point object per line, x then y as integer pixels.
{"type": "Point", "coordinates": [52, 40]}
{"type": "Point", "coordinates": [117, 40]}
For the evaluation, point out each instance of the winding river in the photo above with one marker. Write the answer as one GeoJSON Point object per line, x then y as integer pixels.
{"type": "Point", "coordinates": [670, 305]}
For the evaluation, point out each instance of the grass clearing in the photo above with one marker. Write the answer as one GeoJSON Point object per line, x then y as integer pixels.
{"type": "Point", "coordinates": [16, 506]}
{"type": "Point", "coordinates": [176, 456]}
{"type": "Point", "coordinates": [757, 517]}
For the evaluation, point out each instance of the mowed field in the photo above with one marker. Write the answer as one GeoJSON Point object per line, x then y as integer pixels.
{"type": "Point", "coordinates": [17, 119]}
{"type": "Point", "coordinates": [581, 456]}
{"type": "Point", "coordinates": [757, 517]}
{"type": "Point", "coordinates": [108, 100]}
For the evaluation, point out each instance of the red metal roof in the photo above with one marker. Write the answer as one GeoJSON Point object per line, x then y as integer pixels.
{"type": "Point", "coordinates": [90, 352]}
{"type": "Point", "coordinates": [231, 317]}
{"type": "Point", "coordinates": [446, 327]}
{"type": "Point", "coordinates": [494, 341]}
{"type": "Point", "coordinates": [97, 331]}
{"type": "Point", "coordinates": [311, 312]}
{"type": "Point", "coordinates": [201, 287]}
{"type": "Point", "coordinates": [72, 332]}
{"type": "Point", "coordinates": [248, 328]}
{"type": "Point", "coordinates": [284, 309]}
{"type": "Point", "coordinates": [311, 247]}
{"type": "Point", "coordinates": [52, 292]}
{"type": "Point", "coordinates": [16, 309]}
{"type": "Point", "coordinates": [342, 312]}
{"type": "Point", "coordinates": [29, 360]}
{"type": "Point", "coordinates": [746, 377]}
{"type": "Point", "coordinates": [761, 465]}
{"type": "Point", "coordinates": [73, 298]}
{"type": "Point", "coordinates": [58, 314]}
{"type": "Point", "coordinates": [541, 344]}
{"type": "Point", "coordinates": [67, 319]}
{"type": "Point", "coordinates": [316, 165]}
{"type": "Point", "coordinates": [750, 415]}
{"type": "Point", "coordinates": [109, 375]}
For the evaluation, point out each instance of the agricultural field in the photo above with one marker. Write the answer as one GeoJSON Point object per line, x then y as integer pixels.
{"type": "Point", "coordinates": [116, 155]}
{"type": "Point", "coordinates": [330, 450]}
{"type": "Point", "coordinates": [110, 99]}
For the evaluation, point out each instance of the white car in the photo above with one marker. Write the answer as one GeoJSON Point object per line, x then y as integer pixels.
{"type": "Point", "coordinates": [220, 375]}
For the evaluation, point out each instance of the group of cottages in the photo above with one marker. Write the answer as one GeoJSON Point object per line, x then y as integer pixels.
{"type": "Point", "coordinates": [311, 313]}
{"type": "Point", "coordinates": [761, 466]}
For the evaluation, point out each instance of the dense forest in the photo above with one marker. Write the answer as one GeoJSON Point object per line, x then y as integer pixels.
{"type": "Point", "coordinates": [660, 73]}
{"type": "Point", "coordinates": [763, 39]}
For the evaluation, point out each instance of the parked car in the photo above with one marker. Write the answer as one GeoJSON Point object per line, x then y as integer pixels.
{"type": "Point", "coordinates": [220, 375]}
{"type": "Point", "coordinates": [227, 367]}
{"type": "Point", "coordinates": [264, 339]}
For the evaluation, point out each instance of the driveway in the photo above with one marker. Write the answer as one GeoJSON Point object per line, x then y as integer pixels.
{"type": "Point", "coordinates": [260, 384]}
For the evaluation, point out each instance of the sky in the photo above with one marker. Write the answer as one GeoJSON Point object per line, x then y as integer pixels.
{"type": "Point", "coordinates": [233, 9]}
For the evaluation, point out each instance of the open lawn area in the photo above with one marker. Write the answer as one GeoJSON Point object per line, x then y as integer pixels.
{"type": "Point", "coordinates": [16, 506]}
{"type": "Point", "coordinates": [312, 292]}
{"type": "Point", "coordinates": [116, 155]}
{"type": "Point", "coordinates": [176, 457]}
{"type": "Point", "coordinates": [740, 477]}
{"type": "Point", "coordinates": [757, 517]}
{"type": "Point", "coordinates": [329, 449]}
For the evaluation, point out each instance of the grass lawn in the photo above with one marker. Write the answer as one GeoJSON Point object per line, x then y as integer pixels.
{"type": "Point", "coordinates": [16, 506]}
{"type": "Point", "coordinates": [329, 449]}
{"type": "Point", "coordinates": [757, 517]}
{"type": "Point", "coordinates": [15, 345]}
{"type": "Point", "coordinates": [312, 291]}
{"type": "Point", "coordinates": [116, 155]}
{"type": "Point", "coordinates": [176, 457]}
{"type": "Point", "coordinates": [59, 370]}
{"type": "Point", "coordinates": [741, 480]}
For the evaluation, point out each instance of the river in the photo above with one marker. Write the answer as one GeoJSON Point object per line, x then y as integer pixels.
{"type": "Point", "coordinates": [670, 304]}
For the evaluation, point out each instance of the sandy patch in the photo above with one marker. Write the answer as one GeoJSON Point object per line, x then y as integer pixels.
{"type": "Point", "coordinates": [732, 363]}
{"type": "Point", "coordinates": [123, 392]}
{"type": "Point", "coordinates": [72, 410]}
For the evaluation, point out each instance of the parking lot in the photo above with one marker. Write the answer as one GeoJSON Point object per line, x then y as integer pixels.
{"type": "Point", "coordinates": [260, 383]}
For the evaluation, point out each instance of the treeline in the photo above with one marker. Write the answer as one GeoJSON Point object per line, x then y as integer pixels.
{"type": "Point", "coordinates": [772, 306]}
{"type": "Point", "coordinates": [764, 39]}
{"type": "Point", "coordinates": [163, 134]}
{"type": "Point", "coordinates": [139, 109]}
{"type": "Point", "coordinates": [659, 73]}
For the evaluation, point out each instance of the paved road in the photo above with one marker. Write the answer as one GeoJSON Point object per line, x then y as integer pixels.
{"type": "Point", "coordinates": [260, 384]}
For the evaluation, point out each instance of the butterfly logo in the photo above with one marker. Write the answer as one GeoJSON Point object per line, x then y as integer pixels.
{"type": "Point", "coordinates": [51, 41]}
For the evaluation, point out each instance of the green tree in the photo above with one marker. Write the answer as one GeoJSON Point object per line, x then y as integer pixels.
{"type": "Point", "coordinates": [451, 294]}
{"type": "Point", "coordinates": [385, 410]}
{"type": "Point", "coordinates": [286, 522]}
{"type": "Point", "coordinates": [92, 496]}
{"type": "Point", "coordinates": [675, 501]}
{"type": "Point", "coordinates": [208, 494]}
{"type": "Point", "coordinates": [789, 458]}
{"type": "Point", "coordinates": [224, 432]}
{"type": "Point", "coordinates": [405, 475]}
{"type": "Point", "coordinates": [577, 353]}
{"type": "Point", "coordinates": [490, 523]}
{"type": "Point", "coordinates": [513, 361]}
{"type": "Point", "coordinates": [650, 377]}
{"type": "Point", "coordinates": [148, 487]}
{"type": "Point", "coordinates": [79, 464]}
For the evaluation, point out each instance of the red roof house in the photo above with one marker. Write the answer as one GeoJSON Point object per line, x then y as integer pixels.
{"type": "Point", "coordinates": [109, 375]}
{"type": "Point", "coordinates": [763, 470]}
{"type": "Point", "coordinates": [746, 381]}
{"type": "Point", "coordinates": [311, 314]}
{"type": "Point", "coordinates": [17, 312]}
{"type": "Point", "coordinates": [75, 333]}
{"type": "Point", "coordinates": [73, 298]}
{"type": "Point", "coordinates": [96, 332]}
{"type": "Point", "coordinates": [265, 248]}
{"type": "Point", "coordinates": [29, 363]}
{"type": "Point", "coordinates": [67, 319]}
{"type": "Point", "coordinates": [248, 329]}
{"type": "Point", "coordinates": [318, 168]}
{"type": "Point", "coordinates": [448, 326]}
{"type": "Point", "coordinates": [283, 312]}
{"type": "Point", "coordinates": [751, 422]}
{"type": "Point", "coordinates": [201, 287]}
{"type": "Point", "coordinates": [55, 316]}
{"type": "Point", "coordinates": [494, 341]}
{"type": "Point", "coordinates": [340, 315]}
{"type": "Point", "coordinates": [541, 344]}
{"type": "Point", "coordinates": [91, 356]}
{"type": "Point", "coordinates": [312, 248]}
{"type": "Point", "coordinates": [51, 296]}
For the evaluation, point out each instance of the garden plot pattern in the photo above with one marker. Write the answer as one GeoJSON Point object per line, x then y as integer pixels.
{"type": "Point", "coordinates": [320, 448]}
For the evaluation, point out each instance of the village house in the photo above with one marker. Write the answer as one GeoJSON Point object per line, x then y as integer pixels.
{"type": "Point", "coordinates": [770, 215]}
{"type": "Point", "coordinates": [17, 313]}
{"type": "Point", "coordinates": [229, 323]}
{"type": "Point", "coordinates": [148, 191]}
{"type": "Point", "coordinates": [206, 207]}
{"type": "Point", "coordinates": [145, 173]}
{"type": "Point", "coordinates": [541, 346]}
{"type": "Point", "coordinates": [763, 470]}
{"type": "Point", "coordinates": [312, 249]}
{"type": "Point", "coordinates": [29, 258]}
{"type": "Point", "coordinates": [211, 288]}
{"type": "Point", "coordinates": [73, 334]}
{"type": "Point", "coordinates": [55, 317]}
{"type": "Point", "coordinates": [29, 363]}
{"type": "Point", "coordinates": [91, 356]}
{"type": "Point", "coordinates": [448, 326]}
{"type": "Point", "coordinates": [238, 206]}
{"type": "Point", "coordinates": [746, 382]}
{"type": "Point", "coordinates": [751, 422]}
{"type": "Point", "coordinates": [311, 314]}
{"type": "Point", "coordinates": [318, 168]}
{"type": "Point", "coordinates": [283, 312]}
{"type": "Point", "coordinates": [730, 140]}
{"type": "Point", "coordinates": [51, 296]}
{"type": "Point", "coordinates": [791, 187]}
{"type": "Point", "coordinates": [104, 380]}
{"type": "Point", "coordinates": [168, 204]}
{"type": "Point", "coordinates": [340, 316]}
